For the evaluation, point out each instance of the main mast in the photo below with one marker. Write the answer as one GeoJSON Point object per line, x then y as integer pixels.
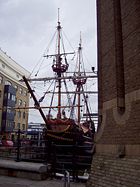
{"type": "Point", "coordinates": [59, 66]}
{"type": "Point", "coordinates": [78, 85]}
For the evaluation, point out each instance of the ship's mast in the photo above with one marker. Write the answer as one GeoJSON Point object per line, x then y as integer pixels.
{"type": "Point", "coordinates": [59, 66]}
{"type": "Point", "coordinates": [79, 79]}
{"type": "Point", "coordinates": [79, 74]}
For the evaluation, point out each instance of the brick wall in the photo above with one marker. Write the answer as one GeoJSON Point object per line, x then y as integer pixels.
{"type": "Point", "coordinates": [118, 136]}
{"type": "Point", "coordinates": [111, 172]}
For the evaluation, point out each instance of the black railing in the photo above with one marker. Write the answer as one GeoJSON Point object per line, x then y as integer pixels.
{"type": "Point", "coordinates": [72, 158]}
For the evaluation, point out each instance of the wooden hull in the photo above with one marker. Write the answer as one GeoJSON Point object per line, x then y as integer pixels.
{"type": "Point", "coordinates": [64, 131]}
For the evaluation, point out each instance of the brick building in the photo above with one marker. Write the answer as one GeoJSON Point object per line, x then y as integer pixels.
{"type": "Point", "coordinates": [116, 161]}
{"type": "Point", "coordinates": [13, 94]}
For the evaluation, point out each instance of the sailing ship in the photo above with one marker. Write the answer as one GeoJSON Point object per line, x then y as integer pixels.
{"type": "Point", "coordinates": [65, 127]}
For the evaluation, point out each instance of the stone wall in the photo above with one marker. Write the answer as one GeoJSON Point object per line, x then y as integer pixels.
{"type": "Point", "coordinates": [118, 136]}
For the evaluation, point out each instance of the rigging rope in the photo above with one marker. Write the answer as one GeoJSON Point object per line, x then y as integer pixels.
{"type": "Point", "coordinates": [51, 100]}
{"type": "Point", "coordinates": [39, 67]}
{"type": "Point", "coordinates": [72, 110]}
{"type": "Point", "coordinates": [86, 103]}
{"type": "Point", "coordinates": [68, 41]}
{"type": "Point", "coordinates": [46, 50]}
{"type": "Point", "coordinates": [64, 51]}
{"type": "Point", "coordinates": [41, 99]}
{"type": "Point", "coordinates": [68, 95]}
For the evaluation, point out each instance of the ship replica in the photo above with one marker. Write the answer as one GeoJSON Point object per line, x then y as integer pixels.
{"type": "Point", "coordinates": [65, 128]}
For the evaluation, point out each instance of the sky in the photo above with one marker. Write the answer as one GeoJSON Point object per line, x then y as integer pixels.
{"type": "Point", "coordinates": [27, 27]}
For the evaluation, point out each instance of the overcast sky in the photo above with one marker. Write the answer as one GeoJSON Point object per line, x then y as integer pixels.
{"type": "Point", "coordinates": [28, 25]}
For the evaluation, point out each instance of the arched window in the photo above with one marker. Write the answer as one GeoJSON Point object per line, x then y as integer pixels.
{"type": "Point", "coordinates": [20, 90]}
{"type": "Point", "coordinates": [25, 92]}
{"type": "Point", "coordinates": [24, 103]}
{"type": "Point", "coordinates": [20, 102]}
{"type": "Point", "coordinates": [16, 87]}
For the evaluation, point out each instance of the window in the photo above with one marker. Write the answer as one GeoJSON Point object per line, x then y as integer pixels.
{"type": "Point", "coordinates": [20, 102]}
{"type": "Point", "coordinates": [24, 103]}
{"type": "Point", "coordinates": [18, 126]}
{"type": "Point", "coordinates": [9, 96]}
{"type": "Point", "coordinates": [1, 80]}
{"type": "Point", "coordinates": [25, 92]}
{"type": "Point", "coordinates": [8, 83]}
{"type": "Point", "coordinates": [0, 94]}
{"type": "Point", "coordinates": [8, 110]}
{"type": "Point", "coordinates": [23, 126]}
{"type": "Point", "coordinates": [9, 124]}
{"type": "Point", "coordinates": [13, 98]}
{"type": "Point", "coordinates": [19, 114]}
{"type": "Point", "coordinates": [24, 115]}
{"type": "Point", "coordinates": [20, 90]}
{"type": "Point", "coordinates": [16, 87]}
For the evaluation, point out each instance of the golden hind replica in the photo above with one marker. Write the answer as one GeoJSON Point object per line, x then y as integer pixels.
{"type": "Point", "coordinates": [65, 127]}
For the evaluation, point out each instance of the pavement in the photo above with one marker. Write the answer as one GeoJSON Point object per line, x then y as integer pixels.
{"type": "Point", "coordinates": [6, 181]}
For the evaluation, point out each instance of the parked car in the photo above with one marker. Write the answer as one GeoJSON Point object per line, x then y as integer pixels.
{"type": "Point", "coordinates": [7, 143]}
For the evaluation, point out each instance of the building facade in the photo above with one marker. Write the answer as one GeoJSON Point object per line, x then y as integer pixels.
{"type": "Point", "coordinates": [13, 95]}
{"type": "Point", "coordinates": [35, 130]}
{"type": "Point", "coordinates": [116, 161]}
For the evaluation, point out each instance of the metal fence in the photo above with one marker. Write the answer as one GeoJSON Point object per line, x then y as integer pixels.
{"type": "Point", "coordinates": [72, 158]}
